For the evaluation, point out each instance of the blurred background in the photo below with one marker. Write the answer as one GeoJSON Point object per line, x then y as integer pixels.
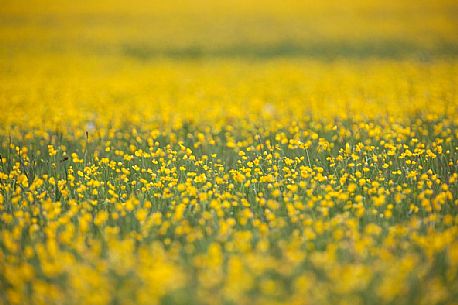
{"type": "Point", "coordinates": [110, 61]}
{"type": "Point", "coordinates": [201, 29]}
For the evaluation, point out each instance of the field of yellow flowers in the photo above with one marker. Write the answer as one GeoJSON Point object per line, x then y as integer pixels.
{"type": "Point", "coordinates": [233, 152]}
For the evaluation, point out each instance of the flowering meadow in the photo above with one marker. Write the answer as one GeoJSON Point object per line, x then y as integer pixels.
{"type": "Point", "coordinates": [188, 153]}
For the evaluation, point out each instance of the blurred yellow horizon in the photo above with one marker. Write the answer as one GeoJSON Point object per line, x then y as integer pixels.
{"type": "Point", "coordinates": [256, 29]}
